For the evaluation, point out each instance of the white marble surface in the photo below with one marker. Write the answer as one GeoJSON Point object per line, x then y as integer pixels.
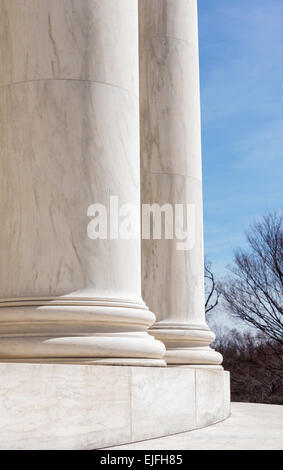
{"type": "Point", "coordinates": [158, 412]}
{"type": "Point", "coordinates": [170, 109]}
{"type": "Point", "coordinates": [210, 389]}
{"type": "Point", "coordinates": [173, 281]}
{"type": "Point", "coordinates": [85, 347]}
{"type": "Point", "coordinates": [69, 39]}
{"type": "Point", "coordinates": [251, 426]}
{"type": "Point", "coordinates": [63, 407]}
{"type": "Point", "coordinates": [57, 160]}
{"type": "Point", "coordinates": [227, 395]}
{"type": "Point", "coordinates": [44, 406]}
{"type": "Point", "coordinates": [174, 19]}
{"type": "Point", "coordinates": [69, 138]}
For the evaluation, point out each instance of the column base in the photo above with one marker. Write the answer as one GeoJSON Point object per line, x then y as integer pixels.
{"type": "Point", "coordinates": [122, 362]}
{"type": "Point", "coordinates": [111, 349]}
{"type": "Point", "coordinates": [187, 344]}
{"type": "Point", "coordinates": [194, 356]}
{"type": "Point", "coordinates": [86, 333]}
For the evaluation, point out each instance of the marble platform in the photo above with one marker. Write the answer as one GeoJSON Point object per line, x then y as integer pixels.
{"type": "Point", "coordinates": [48, 406]}
{"type": "Point", "coordinates": [251, 426]}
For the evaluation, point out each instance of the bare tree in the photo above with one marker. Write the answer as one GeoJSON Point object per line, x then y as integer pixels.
{"type": "Point", "coordinates": [256, 365]}
{"type": "Point", "coordinates": [212, 288]}
{"type": "Point", "coordinates": [254, 289]}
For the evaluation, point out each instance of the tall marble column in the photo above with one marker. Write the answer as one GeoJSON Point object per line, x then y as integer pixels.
{"type": "Point", "coordinates": [173, 281]}
{"type": "Point", "coordinates": [69, 138]}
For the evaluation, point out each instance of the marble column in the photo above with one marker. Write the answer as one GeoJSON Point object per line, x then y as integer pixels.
{"type": "Point", "coordinates": [173, 281]}
{"type": "Point", "coordinates": [69, 138]}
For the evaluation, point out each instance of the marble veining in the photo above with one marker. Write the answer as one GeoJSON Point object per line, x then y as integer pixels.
{"type": "Point", "coordinates": [173, 19]}
{"type": "Point", "coordinates": [69, 138]}
{"type": "Point", "coordinates": [171, 172]}
{"type": "Point", "coordinates": [45, 406]}
{"type": "Point", "coordinates": [63, 162]}
{"type": "Point", "coordinates": [69, 39]}
{"type": "Point", "coordinates": [170, 112]}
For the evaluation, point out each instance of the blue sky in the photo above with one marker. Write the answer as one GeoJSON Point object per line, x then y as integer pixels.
{"type": "Point", "coordinates": [241, 66]}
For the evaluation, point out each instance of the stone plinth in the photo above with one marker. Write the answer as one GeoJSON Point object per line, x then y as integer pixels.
{"type": "Point", "coordinates": [44, 406]}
